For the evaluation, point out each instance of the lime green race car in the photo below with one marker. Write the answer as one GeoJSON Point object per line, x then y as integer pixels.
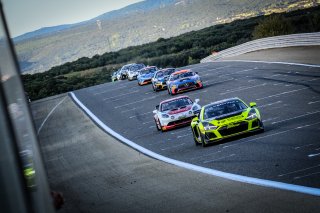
{"type": "Point", "coordinates": [223, 119]}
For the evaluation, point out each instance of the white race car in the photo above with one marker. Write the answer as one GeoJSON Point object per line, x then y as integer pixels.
{"type": "Point", "coordinates": [175, 112]}
{"type": "Point", "coordinates": [134, 71]}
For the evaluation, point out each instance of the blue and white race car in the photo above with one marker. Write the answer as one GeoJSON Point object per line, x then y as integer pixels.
{"type": "Point", "coordinates": [146, 74]}
{"type": "Point", "coordinates": [159, 80]}
{"type": "Point", "coordinates": [183, 80]}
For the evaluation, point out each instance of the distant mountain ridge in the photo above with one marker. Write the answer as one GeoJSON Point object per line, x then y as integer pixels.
{"type": "Point", "coordinates": [45, 31]}
{"type": "Point", "coordinates": [126, 11]}
{"type": "Point", "coordinates": [135, 24]}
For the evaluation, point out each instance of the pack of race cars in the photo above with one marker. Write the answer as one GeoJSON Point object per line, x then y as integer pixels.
{"type": "Point", "coordinates": [210, 123]}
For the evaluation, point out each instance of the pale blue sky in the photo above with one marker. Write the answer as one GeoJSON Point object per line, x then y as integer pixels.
{"type": "Point", "coordinates": [29, 15]}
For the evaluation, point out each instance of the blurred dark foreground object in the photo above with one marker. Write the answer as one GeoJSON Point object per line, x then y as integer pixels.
{"type": "Point", "coordinates": [57, 199]}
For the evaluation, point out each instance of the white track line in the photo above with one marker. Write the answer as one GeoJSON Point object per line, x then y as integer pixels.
{"type": "Point", "coordinates": [45, 120]}
{"type": "Point", "coordinates": [271, 62]}
{"type": "Point", "coordinates": [239, 178]}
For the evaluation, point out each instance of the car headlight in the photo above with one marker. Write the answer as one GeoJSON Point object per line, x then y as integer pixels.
{"type": "Point", "coordinates": [252, 115]}
{"type": "Point", "coordinates": [208, 126]}
{"type": "Point", "coordinates": [173, 86]}
{"type": "Point", "coordinates": [165, 115]}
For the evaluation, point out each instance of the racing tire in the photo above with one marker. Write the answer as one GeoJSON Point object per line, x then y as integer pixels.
{"type": "Point", "coordinates": [194, 137]}
{"type": "Point", "coordinates": [154, 88]}
{"type": "Point", "coordinates": [261, 127]}
{"type": "Point", "coordinates": [203, 143]}
{"type": "Point", "coordinates": [158, 124]}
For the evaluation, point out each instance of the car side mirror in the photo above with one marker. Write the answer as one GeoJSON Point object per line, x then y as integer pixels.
{"type": "Point", "coordinates": [157, 107]}
{"type": "Point", "coordinates": [195, 119]}
{"type": "Point", "coordinates": [253, 104]}
{"type": "Point", "coordinates": [197, 100]}
{"type": "Point", "coordinates": [196, 72]}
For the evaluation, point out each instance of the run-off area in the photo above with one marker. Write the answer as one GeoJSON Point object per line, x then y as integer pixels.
{"type": "Point", "coordinates": [288, 97]}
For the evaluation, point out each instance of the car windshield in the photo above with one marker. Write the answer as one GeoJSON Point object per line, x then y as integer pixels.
{"type": "Point", "coordinates": [147, 70]}
{"type": "Point", "coordinates": [219, 109]}
{"type": "Point", "coordinates": [136, 67]}
{"type": "Point", "coordinates": [169, 71]}
{"type": "Point", "coordinates": [176, 104]}
{"type": "Point", "coordinates": [159, 74]}
{"type": "Point", "coordinates": [181, 75]}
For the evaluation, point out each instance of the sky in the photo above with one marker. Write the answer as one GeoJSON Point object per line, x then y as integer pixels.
{"type": "Point", "coordinates": [28, 15]}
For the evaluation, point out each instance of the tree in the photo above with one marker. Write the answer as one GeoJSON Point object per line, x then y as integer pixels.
{"type": "Point", "coordinates": [272, 26]}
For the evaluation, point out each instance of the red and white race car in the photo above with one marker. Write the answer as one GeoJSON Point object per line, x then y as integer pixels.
{"type": "Point", "coordinates": [175, 112]}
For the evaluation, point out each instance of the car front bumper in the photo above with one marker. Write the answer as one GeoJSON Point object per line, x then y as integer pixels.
{"type": "Point", "coordinates": [223, 132]}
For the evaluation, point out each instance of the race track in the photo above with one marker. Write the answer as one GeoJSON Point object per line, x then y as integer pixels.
{"type": "Point", "coordinates": [288, 97]}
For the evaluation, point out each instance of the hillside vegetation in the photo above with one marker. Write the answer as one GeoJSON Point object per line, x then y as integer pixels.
{"type": "Point", "coordinates": [136, 24]}
{"type": "Point", "coordinates": [178, 51]}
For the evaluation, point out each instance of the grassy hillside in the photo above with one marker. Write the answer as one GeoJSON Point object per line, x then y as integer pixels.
{"type": "Point", "coordinates": [178, 51]}
{"type": "Point", "coordinates": [146, 22]}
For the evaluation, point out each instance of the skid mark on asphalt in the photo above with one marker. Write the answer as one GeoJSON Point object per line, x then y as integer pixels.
{"type": "Point", "coordinates": [179, 131]}
{"type": "Point", "coordinates": [132, 109]}
{"type": "Point", "coordinates": [210, 161]}
{"type": "Point", "coordinates": [299, 116]}
{"type": "Point", "coordinates": [270, 119]}
{"type": "Point", "coordinates": [134, 116]}
{"type": "Point", "coordinates": [304, 146]}
{"type": "Point", "coordinates": [117, 88]}
{"type": "Point", "coordinates": [185, 135]}
{"type": "Point", "coordinates": [308, 175]}
{"type": "Point", "coordinates": [270, 104]}
{"type": "Point", "coordinates": [202, 156]}
{"type": "Point", "coordinates": [300, 170]}
{"type": "Point", "coordinates": [172, 147]}
{"type": "Point", "coordinates": [217, 82]}
{"type": "Point", "coordinates": [134, 102]}
{"type": "Point", "coordinates": [314, 155]}
{"type": "Point", "coordinates": [282, 93]}
{"type": "Point", "coordinates": [265, 136]}
{"type": "Point", "coordinates": [214, 73]}
{"type": "Point", "coordinates": [314, 102]}
{"type": "Point", "coordinates": [241, 71]}
{"type": "Point", "coordinates": [124, 94]}
{"type": "Point", "coordinates": [147, 122]}
{"type": "Point", "coordinates": [245, 88]}
{"type": "Point", "coordinates": [195, 93]}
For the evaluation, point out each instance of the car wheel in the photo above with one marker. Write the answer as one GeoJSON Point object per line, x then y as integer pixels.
{"type": "Point", "coordinates": [194, 137]}
{"type": "Point", "coordinates": [261, 127]}
{"type": "Point", "coordinates": [158, 124]}
{"type": "Point", "coordinates": [204, 144]}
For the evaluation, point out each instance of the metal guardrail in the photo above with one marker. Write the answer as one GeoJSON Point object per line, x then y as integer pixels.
{"type": "Point", "coordinates": [293, 40]}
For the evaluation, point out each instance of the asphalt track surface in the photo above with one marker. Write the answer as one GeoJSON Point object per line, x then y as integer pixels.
{"type": "Point", "coordinates": [288, 97]}
{"type": "Point", "coordinates": [97, 173]}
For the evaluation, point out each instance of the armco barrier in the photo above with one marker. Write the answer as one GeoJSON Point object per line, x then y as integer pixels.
{"type": "Point", "coordinates": [293, 40]}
